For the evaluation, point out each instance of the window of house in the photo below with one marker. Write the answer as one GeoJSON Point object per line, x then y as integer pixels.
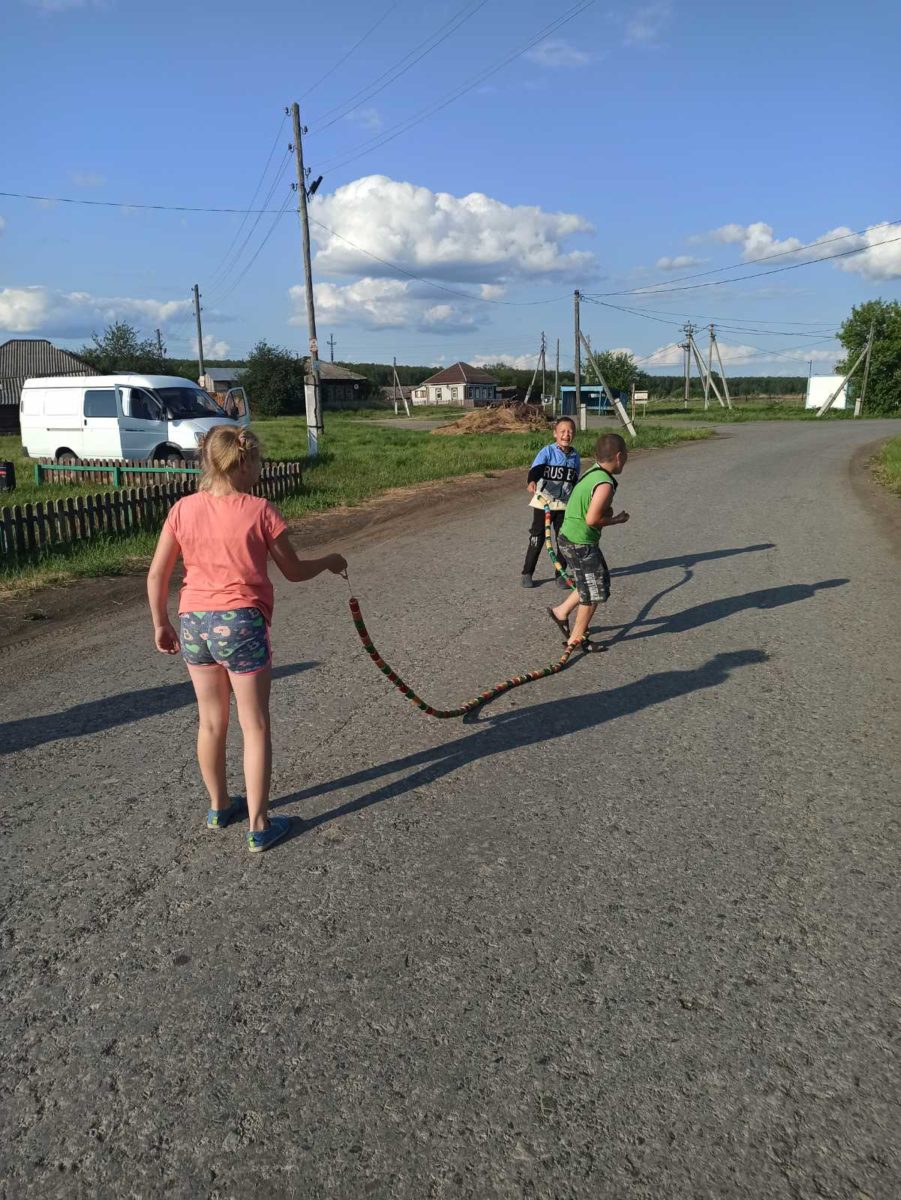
{"type": "Point", "coordinates": [437, 393]}
{"type": "Point", "coordinates": [454, 393]}
{"type": "Point", "coordinates": [100, 402]}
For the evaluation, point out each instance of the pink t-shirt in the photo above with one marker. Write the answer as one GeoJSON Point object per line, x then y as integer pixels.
{"type": "Point", "coordinates": [225, 544]}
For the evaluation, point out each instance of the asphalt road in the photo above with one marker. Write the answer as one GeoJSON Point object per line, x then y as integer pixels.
{"type": "Point", "coordinates": [632, 932]}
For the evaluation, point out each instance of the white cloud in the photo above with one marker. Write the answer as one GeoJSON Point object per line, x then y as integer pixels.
{"type": "Point", "coordinates": [470, 238]}
{"type": "Point", "coordinates": [557, 52]}
{"type": "Point", "coordinates": [78, 314]}
{"type": "Point", "coordinates": [645, 25]}
{"type": "Point", "coordinates": [875, 262]}
{"type": "Point", "coordinates": [488, 291]}
{"type": "Point", "coordinates": [679, 263]}
{"type": "Point", "coordinates": [366, 118]}
{"type": "Point", "coordinates": [383, 304]}
{"type": "Point", "coordinates": [88, 179]}
{"type": "Point", "coordinates": [738, 355]}
{"type": "Point", "coordinates": [522, 362]}
{"type": "Point", "coordinates": [2, 224]}
{"type": "Point", "coordinates": [54, 6]}
{"type": "Point", "coordinates": [213, 347]}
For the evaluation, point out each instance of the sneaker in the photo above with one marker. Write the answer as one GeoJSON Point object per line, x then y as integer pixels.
{"type": "Point", "coordinates": [527, 581]}
{"type": "Point", "coordinates": [278, 827]}
{"type": "Point", "coordinates": [218, 818]}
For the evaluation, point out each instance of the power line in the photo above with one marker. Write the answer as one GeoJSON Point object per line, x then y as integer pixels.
{"type": "Point", "coordinates": [759, 274]}
{"type": "Point", "coordinates": [367, 147]}
{"type": "Point", "coordinates": [387, 13]}
{"type": "Point", "coordinates": [652, 289]}
{"type": "Point", "coordinates": [128, 204]}
{"type": "Point", "coordinates": [364, 94]}
{"type": "Point", "coordinates": [279, 214]}
{"type": "Point", "coordinates": [279, 176]}
{"type": "Point", "coordinates": [231, 246]}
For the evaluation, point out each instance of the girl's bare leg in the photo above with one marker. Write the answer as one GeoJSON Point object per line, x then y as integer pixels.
{"type": "Point", "coordinates": [213, 692]}
{"type": "Point", "coordinates": [252, 697]}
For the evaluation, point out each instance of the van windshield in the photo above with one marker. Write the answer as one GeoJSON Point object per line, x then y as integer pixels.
{"type": "Point", "coordinates": [183, 403]}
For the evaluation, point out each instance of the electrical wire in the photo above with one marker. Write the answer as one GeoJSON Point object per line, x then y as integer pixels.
{"type": "Point", "coordinates": [223, 281]}
{"type": "Point", "coordinates": [652, 289]}
{"type": "Point", "coordinates": [216, 270]}
{"type": "Point", "coordinates": [365, 148]}
{"type": "Point", "coordinates": [367, 93]}
{"type": "Point", "coordinates": [322, 78]}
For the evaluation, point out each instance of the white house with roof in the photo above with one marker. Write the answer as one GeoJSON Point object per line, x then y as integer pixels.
{"type": "Point", "coordinates": [461, 384]}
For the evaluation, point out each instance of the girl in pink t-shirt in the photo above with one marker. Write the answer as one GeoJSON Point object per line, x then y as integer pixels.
{"type": "Point", "coordinates": [226, 536]}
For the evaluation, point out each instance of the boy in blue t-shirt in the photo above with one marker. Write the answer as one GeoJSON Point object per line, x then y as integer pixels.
{"type": "Point", "coordinates": [552, 476]}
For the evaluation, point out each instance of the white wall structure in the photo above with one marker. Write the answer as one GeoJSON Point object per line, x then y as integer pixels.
{"type": "Point", "coordinates": [821, 387]}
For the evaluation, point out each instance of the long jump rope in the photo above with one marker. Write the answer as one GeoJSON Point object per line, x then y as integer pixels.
{"type": "Point", "coordinates": [491, 693]}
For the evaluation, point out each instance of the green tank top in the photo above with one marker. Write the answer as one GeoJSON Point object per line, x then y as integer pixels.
{"type": "Point", "coordinates": [574, 527]}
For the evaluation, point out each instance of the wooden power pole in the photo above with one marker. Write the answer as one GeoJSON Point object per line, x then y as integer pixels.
{"type": "Point", "coordinates": [577, 362]}
{"type": "Point", "coordinates": [312, 393]}
{"type": "Point", "coordinates": [200, 367]}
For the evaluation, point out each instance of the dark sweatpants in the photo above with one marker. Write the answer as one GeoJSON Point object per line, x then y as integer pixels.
{"type": "Point", "coordinates": [536, 537]}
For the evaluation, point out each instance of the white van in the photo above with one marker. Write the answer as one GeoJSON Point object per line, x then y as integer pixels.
{"type": "Point", "coordinates": [133, 417]}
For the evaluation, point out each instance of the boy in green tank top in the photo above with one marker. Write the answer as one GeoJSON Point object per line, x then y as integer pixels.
{"type": "Point", "coordinates": [590, 509]}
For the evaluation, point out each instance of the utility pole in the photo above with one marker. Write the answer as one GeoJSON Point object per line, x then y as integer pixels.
{"type": "Point", "coordinates": [557, 380]}
{"type": "Point", "coordinates": [311, 393]}
{"type": "Point", "coordinates": [719, 359]}
{"type": "Point", "coordinates": [200, 368]}
{"type": "Point", "coordinates": [577, 361]}
{"type": "Point", "coordinates": [331, 346]}
{"type": "Point", "coordinates": [858, 403]}
{"type": "Point", "coordinates": [394, 362]}
{"type": "Point", "coordinates": [688, 329]}
{"type": "Point", "coordinates": [611, 395]}
{"type": "Point", "coordinates": [543, 367]}
{"type": "Point", "coordinates": [709, 361]}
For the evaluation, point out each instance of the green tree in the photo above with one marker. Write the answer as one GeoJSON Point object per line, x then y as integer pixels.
{"type": "Point", "coordinates": [120, 348]}
{"type": "Point", "coordinates": [274, 380]}
{"type": "Point", "coordinates": [884, 383]}
{"type": "Point", "coordinates": [618, 368]}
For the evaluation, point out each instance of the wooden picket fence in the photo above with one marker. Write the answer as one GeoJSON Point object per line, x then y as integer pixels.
{"type": "Point", "coordinates": [114, 472]}
{"type": "Point", "coordinates": [30, 530]}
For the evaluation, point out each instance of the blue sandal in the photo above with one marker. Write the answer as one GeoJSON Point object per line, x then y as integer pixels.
{"type": "Point", "coordinates": [218, 818]}
{"type": "Point", "coordinates": [278, 827]}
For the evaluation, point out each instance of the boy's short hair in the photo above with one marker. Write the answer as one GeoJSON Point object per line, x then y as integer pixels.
{"type": "Point", "coordinates": [608, 446]}
{"type": "Point", "coordinates": [569, 421]}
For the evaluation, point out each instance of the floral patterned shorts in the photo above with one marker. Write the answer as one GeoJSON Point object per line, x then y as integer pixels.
{"type": "Point", "coordinates": [237, 639]}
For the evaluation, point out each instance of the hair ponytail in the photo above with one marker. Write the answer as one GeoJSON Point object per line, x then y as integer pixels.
{"type": "Point", "coordinates": [223, 450]}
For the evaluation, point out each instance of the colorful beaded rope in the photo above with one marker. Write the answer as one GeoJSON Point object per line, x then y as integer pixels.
{"type": "Point", "coordinates": [483, 697]}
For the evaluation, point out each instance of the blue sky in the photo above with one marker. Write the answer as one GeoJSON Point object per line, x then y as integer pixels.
{"type": "Point", "coordinates": [633, 146]}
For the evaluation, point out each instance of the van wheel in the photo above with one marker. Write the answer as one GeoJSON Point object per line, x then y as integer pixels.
{"type": "Point", "coordinates": [68, 457]}
{"type": "Point", "coordinates": [172, 458]}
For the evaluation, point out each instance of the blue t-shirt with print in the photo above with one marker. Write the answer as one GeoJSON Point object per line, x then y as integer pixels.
{"type": "Point", "coordinates": [559, 474]}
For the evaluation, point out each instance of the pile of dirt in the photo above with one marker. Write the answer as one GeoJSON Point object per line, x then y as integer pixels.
{"type": "Point", "coordinates": [512, 418]}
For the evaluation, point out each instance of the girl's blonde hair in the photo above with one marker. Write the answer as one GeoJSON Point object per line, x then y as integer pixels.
{"type": "Point", "coordinates": [224, 450]}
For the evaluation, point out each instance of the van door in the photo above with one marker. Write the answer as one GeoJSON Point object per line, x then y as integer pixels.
{"type": "Point", "coordinates": [237, 406]}
{"type": "Point", "coordinates": [144, 424]}
{"type": "Point", "coordinates": [63, 419]}
{"type": "Point", "coordinates": [101, 438]}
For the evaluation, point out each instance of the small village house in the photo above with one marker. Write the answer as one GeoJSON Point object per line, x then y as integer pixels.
{"type": "Point", "coordinates": [218, 381]}
{"type": "Point", "coordinates": [338, 387]}
{"type": "Point", "coordinates": [31, 358]}
{"type": "Point", "coordinates": [462, 384]}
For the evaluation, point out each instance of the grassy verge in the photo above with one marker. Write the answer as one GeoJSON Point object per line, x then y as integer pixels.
{"type": "Point", "coordinates": [887, 466]}
{"type": "Point", "coordinates": [359, 461]}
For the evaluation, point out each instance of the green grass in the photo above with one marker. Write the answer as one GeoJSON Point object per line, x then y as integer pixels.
{"type": "Point", "coordinates": [887, 466]}
{"type": "Point", "coordinates": [789, 409]}
{"type": "Point", "coordinates": [359, 460]}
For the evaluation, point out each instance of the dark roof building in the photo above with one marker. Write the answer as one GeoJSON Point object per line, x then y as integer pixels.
{"type": "Point", "coordinates": [31, 358]}
{"type": "Point", "coordinates": [339, 387]}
